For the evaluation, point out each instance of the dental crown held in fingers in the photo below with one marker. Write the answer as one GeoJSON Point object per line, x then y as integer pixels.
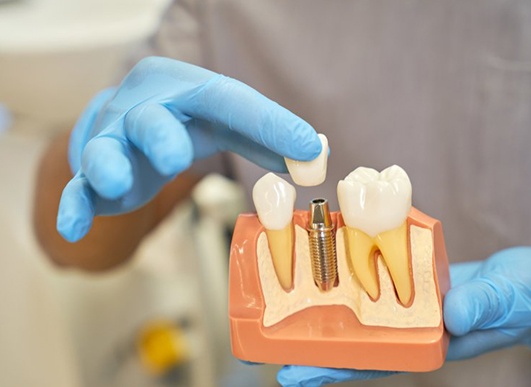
{"type": "Point", "coordinates": [310, 173]}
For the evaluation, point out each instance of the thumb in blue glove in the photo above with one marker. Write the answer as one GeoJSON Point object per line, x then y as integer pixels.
{"type": "Point", "coordinates": [133, 140]}
{"type": "Point", "coordinates": [489, 305]}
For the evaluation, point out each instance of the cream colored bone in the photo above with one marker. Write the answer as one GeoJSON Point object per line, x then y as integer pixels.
{"type": "Point", "coordinates": [386, 311]}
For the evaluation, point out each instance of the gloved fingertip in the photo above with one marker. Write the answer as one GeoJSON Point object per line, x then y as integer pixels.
{"type": "Point", "coordinates": [112, 182]}
{"type": "Point", "coordinates": [457, 311]}
{"type": "Point", "coordinates": [76, 210]}
{"type": "Point", "coordinates": [161, 137]}
{"type": "Point", "coordinates": [306, 145]}
{"type": "Point", "coordinates": [72, 227]}
{"type": "Point", "coordinates": [107, 167]}
{"type": "Point", "coordinates": [171, 164]}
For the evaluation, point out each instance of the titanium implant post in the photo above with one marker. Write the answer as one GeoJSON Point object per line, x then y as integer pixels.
{"type": "Point", "coordinates": [322, 245]}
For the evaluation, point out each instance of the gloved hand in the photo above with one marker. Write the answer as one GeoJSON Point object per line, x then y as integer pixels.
{"type": "Point", "coordinates": [300, 376]}
{"type": "Point", "coordinates": [487, 308]}
{"type": "Point", "coordinates": [165, 114]}
{"type": "Point", "coordinates": [489, 305]}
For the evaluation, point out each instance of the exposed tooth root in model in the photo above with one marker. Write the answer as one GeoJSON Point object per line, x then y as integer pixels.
{"type": "Point", "coordinates": [281, 247]}
{"type": "Point", "coordinates": [322, 241]}
{"type": "Point", "coordinates": [363, 251]}
{"type": "Point", "coordinates": [274, 199]}
{"type": "Point", "coordinates": [310, 173]}
{"type": "Point", "coordinates": [375, 207]}
{"type": "Point", "coordinates": [316, 327]}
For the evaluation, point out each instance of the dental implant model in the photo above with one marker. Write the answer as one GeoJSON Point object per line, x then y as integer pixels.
{"type": "Point", "coordinates": [308, 287]}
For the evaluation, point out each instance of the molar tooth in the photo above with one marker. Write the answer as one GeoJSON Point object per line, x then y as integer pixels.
{"type": "Point", "coordinates": [274, 199]}
{"type": "Point", "coordinates": [375, 207]}
{"type": "Point", "coordinates": [310, 173]}
{"type": "Point", "coordinates": [375, 202]}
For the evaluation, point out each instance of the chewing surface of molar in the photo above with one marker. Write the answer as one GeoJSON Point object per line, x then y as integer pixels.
{"type": "Point", "coordinates": [274, 199]}
{"type": "Point", "coordinates": [386, 311]}
{"type": "Point", "coordinates": [375, 206]}
{"type": "Point", "coordinates": [310, 173]}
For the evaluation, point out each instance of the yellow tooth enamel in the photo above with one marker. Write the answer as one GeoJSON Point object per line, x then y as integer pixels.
{"type": "Point", "coordinates": [281, 248]}
{"type": "Point", "coordinates": [392, 245]}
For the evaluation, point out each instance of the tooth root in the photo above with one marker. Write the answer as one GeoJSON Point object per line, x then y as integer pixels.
{"type": "Point", "coordinates": [393, 247]}
{"type": "Point", "coordinates": [281, 248]}
{"type": "Point", "coordinates": [361, 249]}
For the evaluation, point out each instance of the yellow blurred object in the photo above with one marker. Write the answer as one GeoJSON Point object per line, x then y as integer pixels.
{"type": "Point", "coordinates": [162, 345]}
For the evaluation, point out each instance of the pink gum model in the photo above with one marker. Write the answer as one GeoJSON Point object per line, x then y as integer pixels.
{"type": "Point", "coordinates": [332, 335]}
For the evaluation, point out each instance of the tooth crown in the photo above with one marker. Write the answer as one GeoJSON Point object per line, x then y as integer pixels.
{"type": "Point", "coordinates": [375, 202]}
{"type": "Point", "coordinates": [310, 173]}
{"type": "Point", "coordinates": [274, 199]}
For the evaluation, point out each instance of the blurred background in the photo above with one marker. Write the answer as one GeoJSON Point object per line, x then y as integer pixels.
{"type": "Point", "coordinates": [162, 319]}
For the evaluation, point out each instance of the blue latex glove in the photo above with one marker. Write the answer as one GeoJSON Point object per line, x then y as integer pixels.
{"type": "Point", "coordinates": [132, 140]}
{"type": "Point", "coordinates": [489, 305]}
{"type": "Point", "coordinates": [488, 308]}
{"type": "Point", "coordinates": [300, 376]}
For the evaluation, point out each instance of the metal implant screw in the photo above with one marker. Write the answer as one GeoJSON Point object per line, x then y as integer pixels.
{"type": "Point", "coordinates": [322, 245]}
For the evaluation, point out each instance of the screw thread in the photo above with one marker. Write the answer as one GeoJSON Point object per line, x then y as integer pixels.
{"type": "Point", "coordinates": [322, 245]}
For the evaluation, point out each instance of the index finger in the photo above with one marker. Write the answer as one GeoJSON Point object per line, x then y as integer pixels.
{"type": "Point", "coordinates": [226, 101]}
{"type": "Point", "coordinates": [200, 93]}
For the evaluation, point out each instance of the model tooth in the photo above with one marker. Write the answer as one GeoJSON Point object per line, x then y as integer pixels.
{"type": "Point", "coordinates": [310, 173]}
{"type": "Point", "coordinates": [375, 202]}
{"type": "Point", "coordinates": [375, 207]}
{"type": "Point", "coordinates": [274, 199]}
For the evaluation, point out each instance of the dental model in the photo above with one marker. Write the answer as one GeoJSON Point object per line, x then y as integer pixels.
{"type": "Point", "coordinates": [375, 207]}
{"type": "Point", "coordinates": [274, 199]}
{"type": "Point", "coordinates": [358, 289]}
{"type": "Point", "coordinates": [310, 173]}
